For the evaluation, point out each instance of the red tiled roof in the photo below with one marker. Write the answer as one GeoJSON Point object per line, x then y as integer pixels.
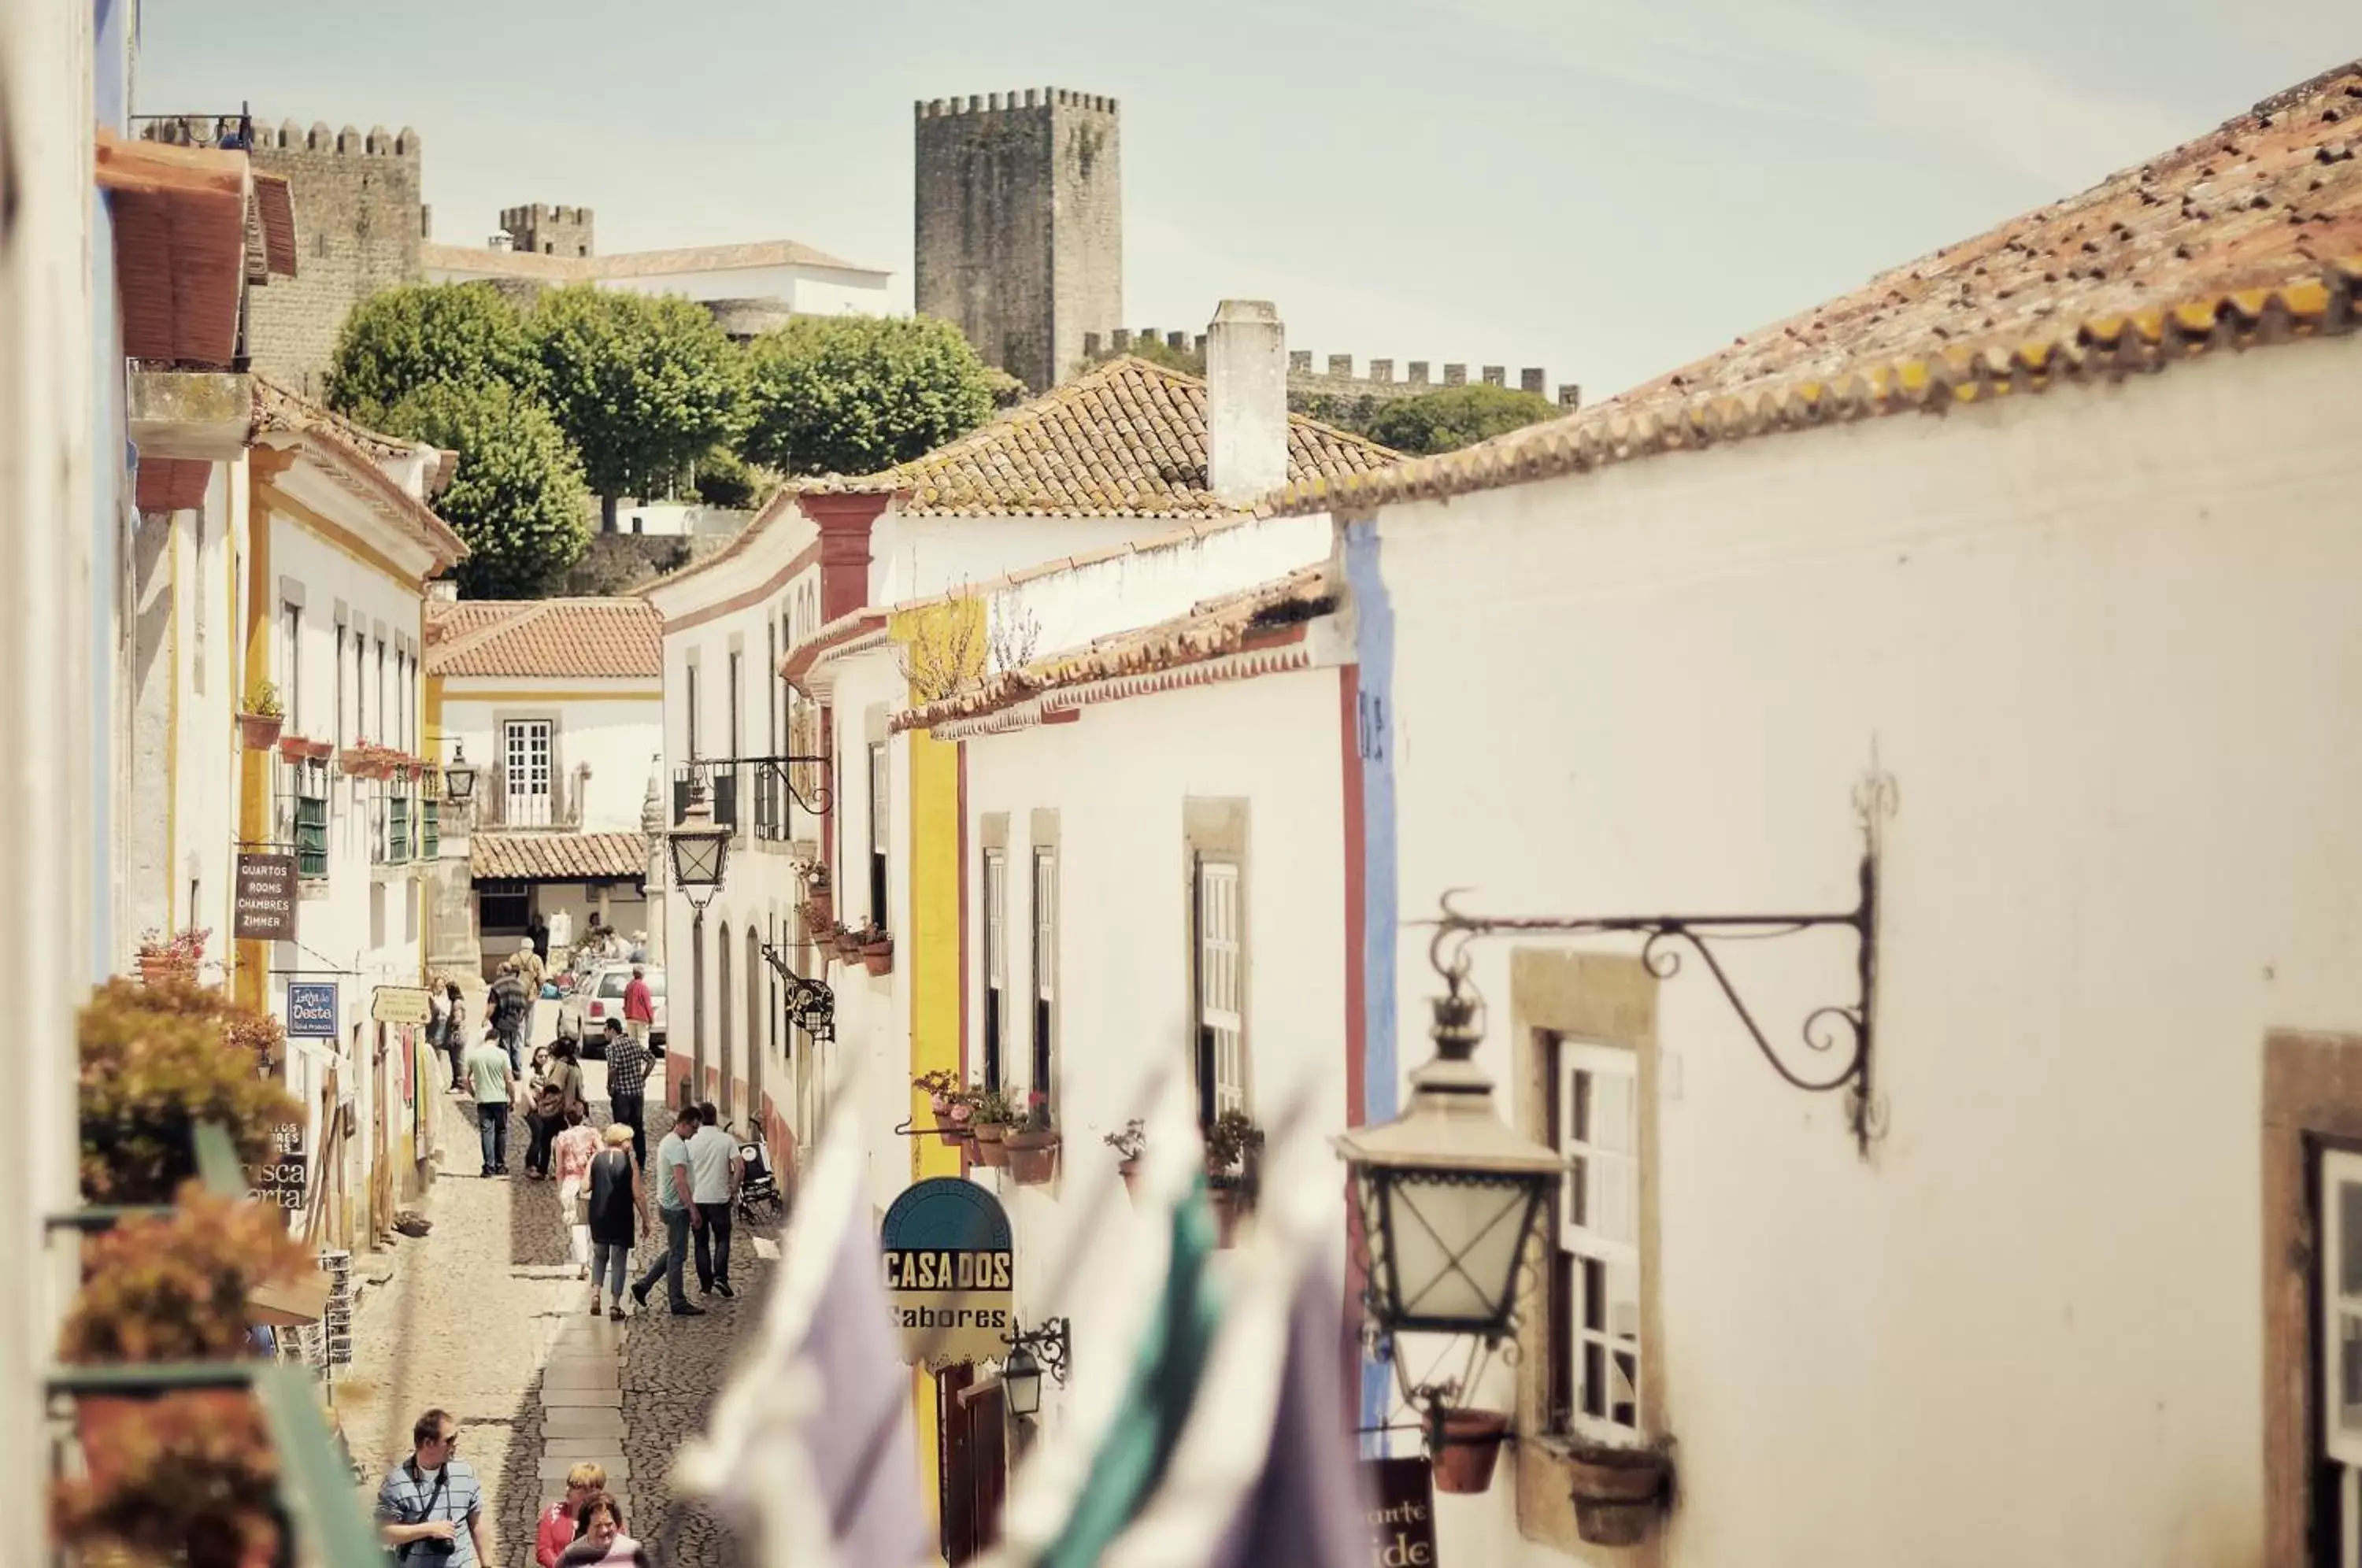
{"type": "Point", "coordinates": [2251, 233]}
{"type": "Point", "coordinates": [596, 638]}
{"type": "Point", "coordinates": [352, 453]}
{"type": "Point", "coordinates": [274, 207]}
{"type": "Point", "coordinates": [180, 247]}
{"type": "Point", "coordinates": [172, 484]}
{"type": "Point", "coordinates": [497, 856]}
{"type": "Point", "coordinates": [1124, 439]}
{"type": "Point", "coordinates": [1230, 624]}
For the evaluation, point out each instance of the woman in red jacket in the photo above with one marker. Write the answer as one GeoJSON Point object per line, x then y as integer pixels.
{"type": "Point", "coordinates": [559, 1520]}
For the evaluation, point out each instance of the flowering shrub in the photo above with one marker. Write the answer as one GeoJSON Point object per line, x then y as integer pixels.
{"type": "Point", "coordinates": [158, 1060]}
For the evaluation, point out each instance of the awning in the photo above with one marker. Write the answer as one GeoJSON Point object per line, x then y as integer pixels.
{"type": "Point", "coordinates": [170, 484]}
{"type": "Point", "coordinates": [180, 247]}
{"type": "Point", "coordinates": [291, 1305]}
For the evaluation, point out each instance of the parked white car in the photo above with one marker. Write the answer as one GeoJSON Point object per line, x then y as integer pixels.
{"type": "Point", "coordinates": [582, 1015]}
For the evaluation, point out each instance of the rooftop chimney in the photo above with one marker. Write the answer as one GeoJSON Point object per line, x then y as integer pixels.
{"type": "Point", "coordinates": [1246, 401]}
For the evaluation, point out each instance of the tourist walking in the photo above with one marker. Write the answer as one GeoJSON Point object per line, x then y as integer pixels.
{"type": "Point", "coordinates": [639, 1006]}
{"type": "Point", "coordinates": [559, 1091]}
{"type": "Point", "coordinates": [512, 1011]}
{"type": "Point", "coordinates": [715, 1170]}
{"type": "Point", "coordinates": [562, 1521]}
{"type": "Point", "coordinates": [570, 1155]}
{"type": "Point", "coordinates": [495, 1085]}
{"type": "Point", "coordinates": [427, 1498]}
{"type": "Point", "coordinates": [601, 1537]}
{"type": "Point", "coordinates": [628, 1065]}
{"type": "Point", "coordinates": [455, 1035]}
{"type": "Point", "coordinates": [677, 1205]}
{"type": "Point", "coordinates": [617, 1208]}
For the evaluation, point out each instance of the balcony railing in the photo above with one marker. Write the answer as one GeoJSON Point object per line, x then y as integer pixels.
{"type": "Point", "coordinates": [558, 805]}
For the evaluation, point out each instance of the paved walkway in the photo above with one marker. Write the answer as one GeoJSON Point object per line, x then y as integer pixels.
{"type": "Point", "coordinates": [486, 1317]}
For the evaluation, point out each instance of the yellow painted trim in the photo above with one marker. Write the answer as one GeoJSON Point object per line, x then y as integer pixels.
{"type": "Point", "coordinates": [252, 986]}
{"type": "Point", "coordinates": [558, 696]}
{"type": "Point", "coordinates": [341, 538]}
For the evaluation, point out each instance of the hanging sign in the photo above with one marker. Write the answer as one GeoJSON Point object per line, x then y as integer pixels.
{"type": "Point", "coordinates": [279, 1185]}
{"type": "Point", "coordinates": [1400, 1498]}
{"type": "Point", "coordinates": [262, 905]}
{"type": "Point", "coordinates": [312, 1009]}
{"type": "Point", "coordinates": [950, 1272]}
{"type": "Point", "coordinates": [400, 1004]}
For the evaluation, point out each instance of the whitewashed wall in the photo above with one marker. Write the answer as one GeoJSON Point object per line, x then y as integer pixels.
{"type": "Point", "coordinates": [808, 291]}
{"type": "Point", "coordinates": [916, 557]}
{"type": "Point", "coordinates": [2104, 640]}
{"type": "Point", "coordinates": [620, 734]}
{"type": "Point", "coordinates": [1118, 780]}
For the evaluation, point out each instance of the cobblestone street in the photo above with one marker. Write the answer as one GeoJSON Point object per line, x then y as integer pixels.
{"type": "Point", "coordinates": [486, 1318]}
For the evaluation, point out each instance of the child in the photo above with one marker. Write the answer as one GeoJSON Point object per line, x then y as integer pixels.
{"type": "Point", "coordinates": [558, 1520]}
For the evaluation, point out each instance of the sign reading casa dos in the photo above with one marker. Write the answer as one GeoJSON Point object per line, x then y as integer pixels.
{"type": "Point", "coordinates": [950, 1272]}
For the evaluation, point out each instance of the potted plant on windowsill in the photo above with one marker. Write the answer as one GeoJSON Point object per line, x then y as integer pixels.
{"type": "Point", "coordinates": [1032, 1144]}
{"type": "Point", "coordinates": [994, 1112]}
{"type": "Point", "coordinates": [820, 899]}
{"type": "Point", "coordinates": [1232, 1143]}
{"type": "Point", "coordinates": [156, 1061]}
{"type": "Point", "coordinates": [1128, 1144]}
{"type": "Point", "coordinates": [950, 1104]}
{"type": "Point", "coordinates": [259, 723]}
{"type": "Point", "coordinates": [1619, 1491]}
{"type": "Point", "coordinates": [173, 958]}
{"type": "Point", "coordinates": [876, 949]}
{"type": "Point", "coordinates": [1465, 1444]}
{"type": "Point", "coordinates": [358, 760]}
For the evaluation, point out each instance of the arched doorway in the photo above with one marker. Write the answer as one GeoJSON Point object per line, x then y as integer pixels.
{"type": "Point", "coordinates": [724, 1006]}
{"type": "Point", "coordinates": [757, 1041]}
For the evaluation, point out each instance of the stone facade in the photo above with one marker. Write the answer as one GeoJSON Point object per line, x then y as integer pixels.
{"type": "Point", "coordinates": [544, 230]}
{"type": "Point", "coordinates": [1020, 226]}
{"type": "Point", "coordinates": [358, 225]}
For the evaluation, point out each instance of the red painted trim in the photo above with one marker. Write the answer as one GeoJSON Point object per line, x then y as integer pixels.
{"type": "Point", "coordinates": [844, 521]}
{"type": "Point", "coordinates": [1059, 716]}
{"type": "Point", "coordinates": [779, 579]}
{"type": "Point", "coordinates": [799, 663]}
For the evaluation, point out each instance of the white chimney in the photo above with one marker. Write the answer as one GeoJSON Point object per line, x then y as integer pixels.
{"type": "Point", "coordinates": [1246, 401]}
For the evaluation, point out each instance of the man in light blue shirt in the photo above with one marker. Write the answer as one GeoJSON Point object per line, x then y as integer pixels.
{"type": "Point", "coordinates": [677, 1204]}
{"type": "Point", "coordinates": [714, 1175]}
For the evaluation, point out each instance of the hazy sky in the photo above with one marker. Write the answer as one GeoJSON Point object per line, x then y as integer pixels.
{"type": "Point", "coordinates": [1605, 188]}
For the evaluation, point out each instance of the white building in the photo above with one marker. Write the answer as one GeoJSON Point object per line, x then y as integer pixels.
{"type": "Point", "coordinates": [767, 278]}
{"type": "Point", "coordinates": [2067, 560]}
{"type": "Point", "coordinates": [678, 519]}
{"type": "Point", "coordinates": [559, 703]}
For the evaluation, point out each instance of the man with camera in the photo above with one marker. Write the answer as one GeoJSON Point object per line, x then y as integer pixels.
{"type": "Point", "coordinates": [428, 1497]}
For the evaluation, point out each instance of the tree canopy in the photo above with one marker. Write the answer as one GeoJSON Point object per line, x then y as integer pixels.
{"type": "Point", "coordinates": [1453, 417]}
{"type": "Point", "coordinates": [642, 385]}
{"type": "Point", "coordinates": [853, 394]}
{"type": "Point", "coordinates": [517, 497]}
{"type": "Point", "coordinates": [421, 335]}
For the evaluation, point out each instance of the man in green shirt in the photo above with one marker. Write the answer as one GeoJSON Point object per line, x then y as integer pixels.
{"type": "Point", "coordinates": [675, 1204]}
{"type": "Point", "coordinates": [495, 1082]}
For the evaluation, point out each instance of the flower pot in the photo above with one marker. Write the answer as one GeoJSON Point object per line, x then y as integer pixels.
{"type": "Point", "coordinates": [1228, 1202]}
{"type": "Point", "coordinates": [294, 748]}
{"type": "Point", "coordinates": [820, 911]}
{"type": "Point", "coordinates": [155, 969]}
{"type": "Point", "coordinates": [878, 957]}
{"type": "Point", "coordinates": [259, 732]}
{"type": "Point", "coordinates": [1032, 1157]}
{"type": "Point", "coordinates": [951, 1121]}
{"type": "Point", "coordinates": [1129, 1170]}
{"type": "Point", "coordinates": [109, 1424]}
{"type": "Point", "coordinates": [990, 1148]}
{"type": "Point", "coordinates": [1467, 1449]}
{"type": "Point", "coordinates": [1616, 1492]}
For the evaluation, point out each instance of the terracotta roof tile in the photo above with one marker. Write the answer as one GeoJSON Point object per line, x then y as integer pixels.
{"type": "Point", "coordinates": [597, 638]}
{"type": "Point", "coordinates": [354, 453]}
{"type": "Point", "coordinates": [2250, 234]}
{"type": "Point", "coordinates": [1124, 439]}
{"type": "Point", "coordinates": [496, 855]}
{"type": "Point", "coordinates": [1233, 623]}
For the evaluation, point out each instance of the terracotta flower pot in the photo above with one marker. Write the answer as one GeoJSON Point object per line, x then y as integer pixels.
{"type": "Point", "coordinates": [878, 957]}
{"type": "Point", "coordinates": [820, 911]}
{"type": "Point", "coordinates": [951, 1121]}
{"type": "Point", "coordinates": [259, 732]}
{"type": "Point", "coordinates": [155, 969]}
{"type": "Point", "coordinates": [1616, 1492]}
{"type": "Point", "coordinates": [1230, 1206]}
{"type": "Point", "coordinates": [294, 748]}
{"type": "Point", "coordinates": [1129, 1170]}
{"type": "Point", "coordinates": [990, 1148]}
{"type": "Point", "coordinates": [1032, 1157]}
{"type": "Point", "coordinates": [1470, 1446]}
{"type": "Point", "coordinates": [105, 1421]}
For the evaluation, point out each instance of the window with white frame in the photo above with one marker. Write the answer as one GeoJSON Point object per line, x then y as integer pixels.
{"type": "Point", "coordinates": [1222, 1022]}
{"type": "Point", "coordinates": [290, 665]}
{"type": "Point", "coordinates": [1045, 963]}
{"type": "Point", "coordinates": [342, 736]}
{"type": "Point", "coordinates": [877, 825]}
{"type": "Point", "coordinates": [1597, 1364]}
{"type": "Point", "coordinates": [996, 962]}
{"type": "Point", "coordinates": [383, 737]}
{"type": "Point", "coordinates": [526, 771]}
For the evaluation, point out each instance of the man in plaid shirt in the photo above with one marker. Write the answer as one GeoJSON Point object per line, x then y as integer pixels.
{"type": "Point", "coordinates": [628, 1064]}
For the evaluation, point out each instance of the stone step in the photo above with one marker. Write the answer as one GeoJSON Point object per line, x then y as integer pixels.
{"type": "Point", "coordinates": [555, 1466]}
{"type": "Point", "coordinates": [582, 1398]}
{"type": "Point", "coordinates": [585, 1373]}
{"type": "Point", "coordinates": [579, 1446]}
{"type": "Point", "coordinates": [582, 1423]}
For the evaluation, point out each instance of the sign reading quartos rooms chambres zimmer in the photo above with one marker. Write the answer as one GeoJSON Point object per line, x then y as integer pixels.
{"type": "Point", "coordinates": [950, 1272]}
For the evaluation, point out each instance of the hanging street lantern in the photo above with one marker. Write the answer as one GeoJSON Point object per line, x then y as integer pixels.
{"type": "Point", "coordinates": [1449, 1194]}
{"type": "Point", "coordinates": [1021, 1379]}
{"type": "Point", "coordinates": [459, 777]}
{"type": "Point", "coordinates": [699, 848]}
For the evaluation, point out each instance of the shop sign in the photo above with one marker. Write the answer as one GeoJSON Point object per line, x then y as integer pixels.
{"type": "Point", "coordinates": [312, 1009]}
{"type": "Point", "coordinates": [400, 1004]}
{"type": "Point", "coordinates": [280, 1183]}
{"type": "Point", "coordinates": [262, 907]}
{"type": "Point", "coordinates": [950, 1273]}
{"type": "Point", "coordinates": [1401, 1494]}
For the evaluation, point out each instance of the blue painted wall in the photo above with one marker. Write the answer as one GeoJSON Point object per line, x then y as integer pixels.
{"type": "Point", "coordinates": [115, 43]}
{"type": "Point", "coordinates": [1373, 621]}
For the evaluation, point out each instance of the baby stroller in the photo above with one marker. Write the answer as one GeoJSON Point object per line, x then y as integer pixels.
{"type": "Point", "coordinates": [758, 1188]}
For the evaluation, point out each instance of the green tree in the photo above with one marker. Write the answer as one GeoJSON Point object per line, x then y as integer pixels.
{"type": "Point", "coordinates": [852, 395]}
{"type": "Point", "coordinates": [517, 496]}
{"type": "Point", "coordinates": [1156, 351]}
{"type": "Point", "coordinates": [643, 386]}
{"type": "Point", "coordinates": [1456, 416]}
{"type": "Point", "coordinates": [403, 339]}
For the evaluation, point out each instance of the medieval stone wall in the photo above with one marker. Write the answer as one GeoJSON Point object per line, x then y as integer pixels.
{"type": "Point", "coordinates": [357, 226]}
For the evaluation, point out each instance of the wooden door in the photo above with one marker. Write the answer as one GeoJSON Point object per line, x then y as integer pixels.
{"type": "Point", "coordinates": [975, 1462]}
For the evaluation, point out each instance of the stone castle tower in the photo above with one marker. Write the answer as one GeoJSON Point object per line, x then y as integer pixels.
{"type": "Point", "coordinates": [546, 230]}
{"type": "Point", "coordinates": [1021, 225]}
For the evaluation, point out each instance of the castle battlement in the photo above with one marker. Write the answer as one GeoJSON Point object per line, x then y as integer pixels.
{"type": "Point", "coordinates": [1002, 102]}
{"type": "Point", "coordinates": [541, 213]}
{"type": "Point", "coordinates": [215, 130]}
{"type": "Point", "coordinates": [1338, 378]}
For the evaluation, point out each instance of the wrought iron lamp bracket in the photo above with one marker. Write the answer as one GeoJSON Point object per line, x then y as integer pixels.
{"type": "Point", "coordinates": [1842, 1032]}
{"type": "Point", "coordinates": [811, 1006]}
{"type": "Point", "coordinates": [1049, 1343]}
{"type": "Point", "coordinates": [780, 770]}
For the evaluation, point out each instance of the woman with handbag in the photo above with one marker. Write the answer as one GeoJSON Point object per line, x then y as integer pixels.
{"type": "Point", "coordinates": [614, 1201]}
{"type": "Point", "coordinates": [570, 1156]}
